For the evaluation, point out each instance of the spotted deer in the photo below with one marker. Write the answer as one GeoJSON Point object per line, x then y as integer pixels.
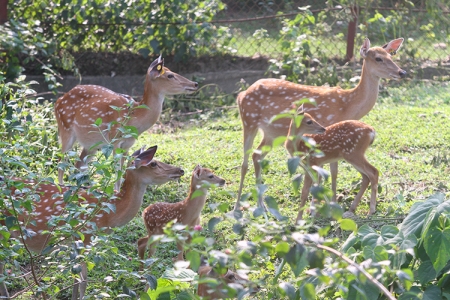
{"type": "Point", "coordinates": [218, 289]}
{"type": "Point", "coordinates": [78, 109]}
{"type": "Point", "coordinates": [186, 212]}
{"type": "Point", "coordinates": [345, 140]}
{"type": "Point", "coordinates": [267, 98]}
{"type": "Point", "coordinates": [143, 171]}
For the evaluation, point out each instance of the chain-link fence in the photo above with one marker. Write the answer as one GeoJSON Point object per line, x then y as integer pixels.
{"type": "Point", "coordinates": [255, 27]}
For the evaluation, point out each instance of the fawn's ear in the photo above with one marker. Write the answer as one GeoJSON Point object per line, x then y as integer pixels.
{"type": "Point", "coordinates": [145, 157]}
{"type": "Point", "coordinates": [364, 48]}
{"type": "Point", "coordinates": [156, 68]}
{"type": "Point", "coordinates": [393, 46]}
{"type": "Point", "coordinates": [197, 171]}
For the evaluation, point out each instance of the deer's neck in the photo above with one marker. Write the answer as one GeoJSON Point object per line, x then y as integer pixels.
{"type": "Point", "coordinates": [196, 199]}
{"type": "Point", "coordinates": [129, 201]}
{"type": "Point", "coordinates": [144, 118]}
{"type": "Point", "coordinates": [364, 96]}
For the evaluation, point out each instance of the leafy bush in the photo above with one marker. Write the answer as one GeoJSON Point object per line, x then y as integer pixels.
{"type": "Point", "coordinates": [174, 27]}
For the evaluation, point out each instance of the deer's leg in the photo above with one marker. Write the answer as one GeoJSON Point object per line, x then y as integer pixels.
{"type": "Point", "coordinates": [304, 196]}
{"type": "Point", "coordinates": [83, 160]}
{"type": "Point", "coordinates": [249, 137]}
{"type": "Point", "coordinates": [370, 174]}
{"type": "Point", "coordinates": [67, 139]}
{"type": "Point", "coordinates": [142, 246]}
{"type": "Point", "coordinates": [258, 157]}
{"type": "Point", "coordinates": [334, 172]}
{"type": "Point", "coordinates": [3, 290]}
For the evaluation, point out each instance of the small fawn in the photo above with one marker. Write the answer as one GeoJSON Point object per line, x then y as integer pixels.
{"type": "Point", "coordinates": [144, 171]}
{"type": "Point", "coordinates": [186, 212]}
{"type": "Point", "coordinates": [77, 110]}
{"type": "Point", "coordinates": [218, 290]}
{"type": "Point", "coordinates": [346, 140]}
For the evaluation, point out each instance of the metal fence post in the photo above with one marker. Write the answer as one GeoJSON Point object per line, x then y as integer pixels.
{"type": "Point", "coordinates": [3, 11]}
{"type": "Point", "coordinates": [351, 33]}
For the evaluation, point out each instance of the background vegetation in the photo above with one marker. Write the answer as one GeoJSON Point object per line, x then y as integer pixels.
{"type": "Point", "coordinates": [404, 246]}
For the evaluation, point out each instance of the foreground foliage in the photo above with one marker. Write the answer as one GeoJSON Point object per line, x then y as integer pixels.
{"type": "Point", "coordinates": [305, 261]}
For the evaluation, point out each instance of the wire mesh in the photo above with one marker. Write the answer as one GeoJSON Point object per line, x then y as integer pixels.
{"type": "Point", "coordinates": [255, 27]}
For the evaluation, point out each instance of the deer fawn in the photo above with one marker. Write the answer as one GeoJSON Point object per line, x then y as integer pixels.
{"type": "Point", "coordinates": [186, 212]}
{"type": "Point", "coordinates": [77, 110]}
{"type": "Point", "coordinates": [218, 290]}
{"type": "Point", "coordinates": [143, 172]}
{"type": "Point", "coordinates": [268, 97]}
{"type": "Point", "coordinates": [346, 140]}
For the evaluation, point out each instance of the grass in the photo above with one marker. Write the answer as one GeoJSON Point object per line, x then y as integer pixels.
{"type": "Point", "coordinates": [411, 152]}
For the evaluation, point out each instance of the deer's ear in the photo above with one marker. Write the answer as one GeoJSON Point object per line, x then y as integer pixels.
{"type": "Point", "coordinates": [145, 157]}
{"type": "Point", "coordinates": [393, 46]}
{"type": "Point", "coordinates": [197, 171]}
{"type": "Point", "coordinates": [156, 68]}
{"type": "Point", "coordinates": [364, 48]}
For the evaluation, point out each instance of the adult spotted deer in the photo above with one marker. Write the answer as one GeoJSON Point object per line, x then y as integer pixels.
{"type": "Point", "coordinates": [144, 171]}
{"type": "Point", "coordinates": [186, 212]}
{"type": "Point", "coordinates": [78, 109]}
{"type": "Point", "coordinates": [346, 140]}
{"type": "Point", "coordinates": [268, 97]}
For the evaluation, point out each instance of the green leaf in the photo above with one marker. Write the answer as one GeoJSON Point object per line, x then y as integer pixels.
{"type": "Point", "coordinates": [389, 231]}
{"type": "Point", "coordinates": [437, 243]}
{"type": "Point", "coordinates": [293, 163]}
{"type": "Point", "coordinates": [426, 272]}
{"type": "Point", "coordinates": [98, 122]}
{"type": "Point", "coordinates": [432, 293]}
{"type": "Point", "coordinates": [307, 291]}
{"type": "Point", "coordinates": [282, 248]}
{"type": "Point", "coordinates": [10, 221]}
{"type": "Point", "coordinates": [296, 258]}
{"type": "Point", "coordinates": [288, 290]}
{"type": "Point", "coordinates": [371, 240]}
{"type": "Point", "coordinates": [278, 141]}
{"type": "Point", "coordinates": [348, 224]}
{"type": "Point", "coordinates": [213, 222]}
{"type": "Point", "coordinates": [194, 259]}
{"type": "Point", "coordinates": [414, 220]}
{"type": "Point", "coordinates": [183, 275]}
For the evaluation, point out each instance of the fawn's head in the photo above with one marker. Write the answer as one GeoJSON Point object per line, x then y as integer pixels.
{"type": "Point", "coordinates": [153, 171]}
{"type": "Point", "coordinates": [205, 175]}
{"type": "Point", "coordinates": [306, 125]}
{"type": "Point", "coordinates": [171, 82]}
{"type": "Point", "coordinates": [379, 59]}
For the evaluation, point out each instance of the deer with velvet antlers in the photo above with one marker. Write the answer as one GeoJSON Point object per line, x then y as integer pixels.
{"type": "Point", "coordinates": [346, 140]}
{"type": "Point", "coordinates": [267, 98]}
{"type": "Point", "coordinates": [144, 171]}
{"type": "Point", "coordinates": [78, 109]}
{"type": "Point", "coordinates": [186, 212]}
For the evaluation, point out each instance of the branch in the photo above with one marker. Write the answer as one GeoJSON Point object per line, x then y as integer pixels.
{"type": "Point", "coordinates": [381, 287]}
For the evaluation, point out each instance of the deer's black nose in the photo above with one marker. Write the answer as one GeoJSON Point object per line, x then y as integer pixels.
{"type": "Point", "coordinates": [402, 73]}
{"type": "Point", "coordinates": [181, 171]}
{"type": "Point", "coordinates": [196, 84]}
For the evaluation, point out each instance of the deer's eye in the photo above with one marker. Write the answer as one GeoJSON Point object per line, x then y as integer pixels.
{"type": "Point", "coordinates": [153, 164]}
{"type": "Point", "coordinates": [309, 122]}
{"type": "Point", "coordinates": [231, 277]}
{"type": "Point", "coordinates": [170, 76]}
{"type": "Point", "coordinates": [378, 59]}
{"type": "Point", "coordinates": [211, 176]}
